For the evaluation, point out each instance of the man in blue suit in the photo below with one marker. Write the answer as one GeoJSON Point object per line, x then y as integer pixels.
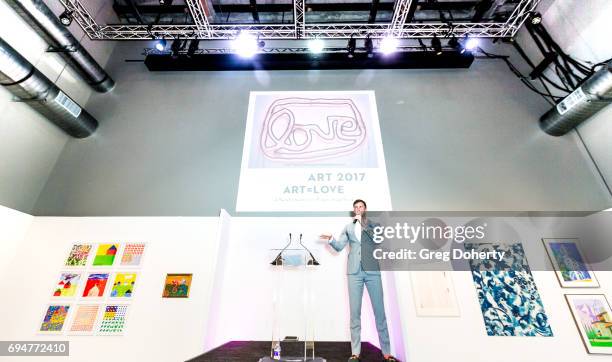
{"type": "Point", "coordinates": [357, 234]}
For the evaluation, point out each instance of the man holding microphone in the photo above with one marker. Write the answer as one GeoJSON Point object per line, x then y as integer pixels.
{"type": "Point", "coordinates": [355, 234]}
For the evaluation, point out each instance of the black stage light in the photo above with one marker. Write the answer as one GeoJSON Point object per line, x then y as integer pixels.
{"type": "Point", "coordinates": [436, 44]}
{"type": "Point", "coordinates": [456, 44]}
{"type": "Point", "coordinates": [66, 18]}
{"type": "Point", "coordinates": [160, 45]}
{"type": "Point", "coordinates": [536, 18]}
{"type": "Point", "coordinates": [176, 47]}
{"type": "Point", "coordinates": [193, 47]}
{"type": "Point", "coordinates": [351, 46]}
{"type": "Point", "coordinates": [369, 46]}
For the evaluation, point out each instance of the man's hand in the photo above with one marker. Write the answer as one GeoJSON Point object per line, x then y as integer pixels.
{"type": "Point", "coordinates": [326, 237]}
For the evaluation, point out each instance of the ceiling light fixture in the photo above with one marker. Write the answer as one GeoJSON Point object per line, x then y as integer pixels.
{"type": "Point", "coordinates": [456, 44]}
{"type": "Point", "coordinates": [160, 44]}
{"type": "Point", "coordinates": [194, 45]}
{"type": "Point", "coordinates": [436, 44]}
{"type": "Point", "coordinates": [369, 46]}
{"type": "Point", "coordinates": [246, 45]}
{"type": "Point", "coordinates": [536, 18]}
{"type": "Point", "coordinates": [388, 45]}
{"type": "Point", "coordinates": [176, 47]}
{"type": "Point", "coordinates": [66, 18]}
{"type": "Point", "coordinates": [351, 46]}
{"type": "Point", "coordinates": [316, 46]}
{"type": "Point", "coordinates": [471, 43]}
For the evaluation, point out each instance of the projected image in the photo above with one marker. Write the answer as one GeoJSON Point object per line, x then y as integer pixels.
{"type": "Point", "coordinates": [307, 130]}
{"type": "Point", "coordinates": [312, 151]}
{"type": "Point", "coordinates": [312, 131]}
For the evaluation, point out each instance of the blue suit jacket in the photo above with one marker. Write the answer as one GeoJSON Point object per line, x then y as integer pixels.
{"type": "Point", "coordinates": [366, 245]}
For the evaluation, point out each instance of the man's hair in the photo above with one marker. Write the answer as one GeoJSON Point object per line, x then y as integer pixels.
{"type": "Point", "coordinates": [360, 200]}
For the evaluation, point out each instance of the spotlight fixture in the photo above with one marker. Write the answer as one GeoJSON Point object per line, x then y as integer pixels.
{"type": "Point", "coordinates": [471, 43]}
{"type": "Point", "coordinates": [388, 45]}
{"type": "Point", "coordinates": [369, 46]}
{"type": "Point", "coordinates": [176, 47]}
{"type": "Point", "coordinates": [457, 45]}
{"type": "Point", "coordinates": [193, 47]}
{"type": "Point", "coordinates": [160, 44]}
{"type": "Point", "coordinates": [66, 18]}
{"type": "Point", "coordinates": [436, 44]}
{"type": "Point", "coordinates": [536, 18]}
{"type": "Point", "coordinates": [351, 46]}
{"type": "Point", "coordinates": [165, 2]}
{"type": "Point", "coordinates": [316, 46]}
{"type": "Point", "coordinates": [246, 45]}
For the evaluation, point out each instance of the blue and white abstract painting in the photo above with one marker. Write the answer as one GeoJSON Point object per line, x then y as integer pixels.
{"type": "Point", "coordinates": [508, 296]}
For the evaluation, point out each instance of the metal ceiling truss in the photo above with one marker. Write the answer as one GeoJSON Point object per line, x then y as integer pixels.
{"type": "Point", "coordinates": [199, 18]}
{"type": "Point", "coordinates": [298, 17]}
{"type": "Point", "coordinates": [400, 26]}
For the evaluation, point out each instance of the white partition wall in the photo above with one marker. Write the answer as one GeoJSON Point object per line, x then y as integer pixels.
{"type": "Point", "coordinates": [244, 298]}
{"type": "Point", "coordinates": [231, 293]}
{"type": "Point", "coordinates": [156, 329]}
{"type": "Point", "coordinates": [13, 227]}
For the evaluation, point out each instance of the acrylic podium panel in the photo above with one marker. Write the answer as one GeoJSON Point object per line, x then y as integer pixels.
{"type": "Point", "coordinates": [292, 302]}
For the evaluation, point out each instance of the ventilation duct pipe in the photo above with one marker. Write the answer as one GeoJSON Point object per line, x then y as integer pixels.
{"type": "Point", "coordinates": [46, 24]}
{"type": "Point", "coordinates": [593, 95]}
{"type": "Point", "coordinates": [30, 86]}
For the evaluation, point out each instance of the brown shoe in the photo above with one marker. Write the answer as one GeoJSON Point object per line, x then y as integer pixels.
{"type": "Point", "coordinates": [354, 358]}
{"type": "Point", "coordinates": [391, 359]}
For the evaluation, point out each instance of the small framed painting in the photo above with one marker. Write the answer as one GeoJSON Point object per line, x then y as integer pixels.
{"type": "Point", "coordinates": [593, 317]}
{"type": "Point", "coordinates": [571, 266]}
{"type": "Point", "coordinates": [95, 285]}
{"type": "Point", "coordinates": [84, 319]}
{"type": "Point", "coordinates": [78, 255]}
{"type": "Point", "coordinates": [105, 255]}
{"type": "Point", "coordinates": [113, 320]}
{"type": "Point", "coordinates": [123, 286]}
{"type": "Point", "coordinates": [67, 285]}
{"type": "Point", "coordinates": [54, 319]}
{"type": "Point", "coordinates": [132, 254]}
{"type": "Point", "coordinates": [177, 286]}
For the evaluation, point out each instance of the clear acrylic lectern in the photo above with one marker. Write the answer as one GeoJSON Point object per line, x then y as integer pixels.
{"type": "Point", "coordinates": [292, 302]}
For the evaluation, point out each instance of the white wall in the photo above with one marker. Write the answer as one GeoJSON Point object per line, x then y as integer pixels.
{"type": "Point", "coordinates": [157, 329]}
{"type": "Point", "coordinates": [246, 294]}
{"type": "Point", "coordinates": [29, 144]}
{"type": "Point", "coordinates": [582, 30]}
{"type": "Point", "coordinates": [231, 294]}
{"type": "Point", "coordinates": [170, 143]}
{"type": "Point", "coordinates": [13, 228]}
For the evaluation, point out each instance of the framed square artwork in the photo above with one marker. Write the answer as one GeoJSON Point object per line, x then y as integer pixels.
{"type": "Point", "coordinates": [571, 266]}
{"type": "Point", "coordinates": [177, 286]}
{"type": "Point", "coordinates": [593, 318]}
